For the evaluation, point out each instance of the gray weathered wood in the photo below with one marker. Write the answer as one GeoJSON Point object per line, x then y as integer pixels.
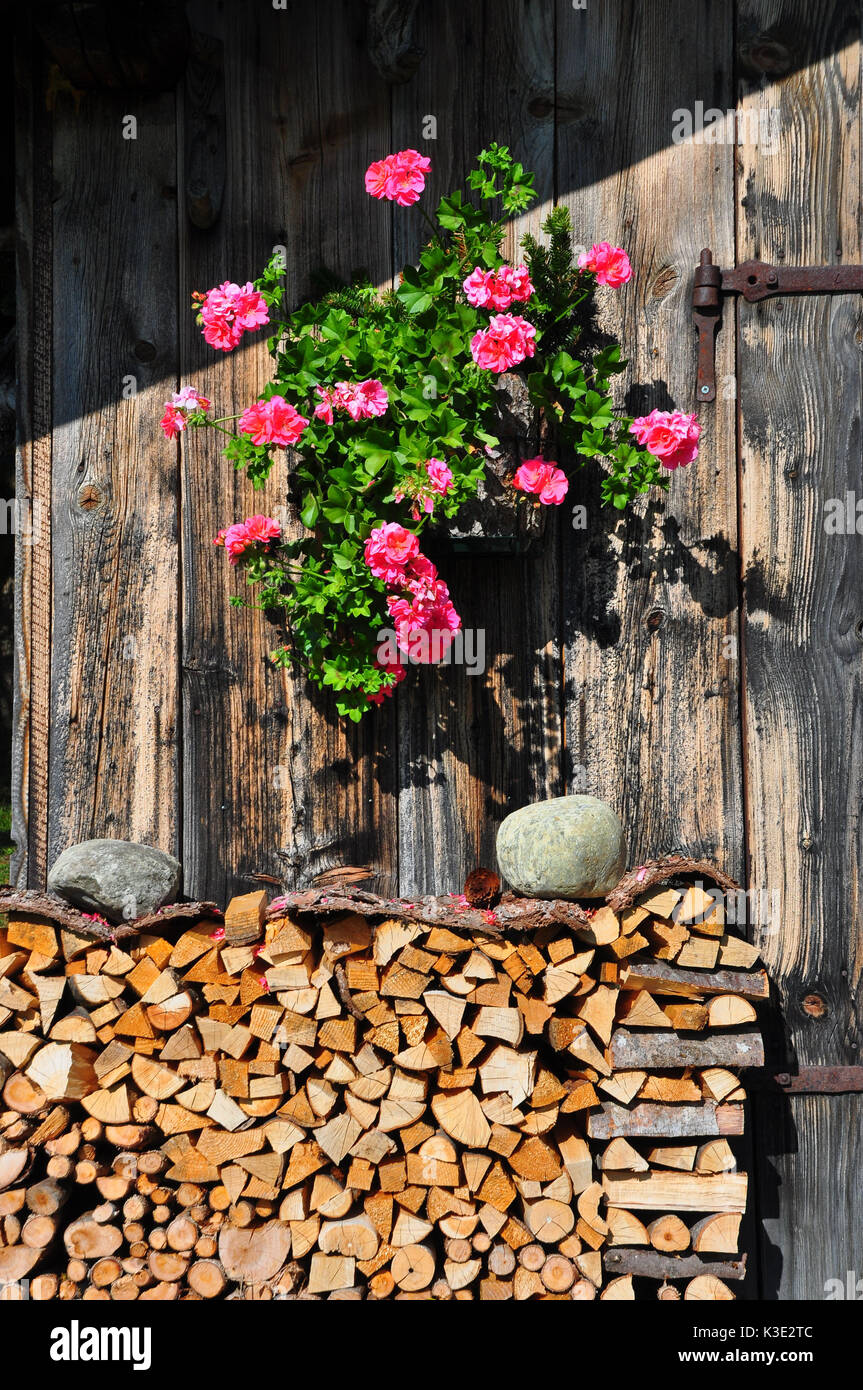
{"type": "Point", "coordinates": [474, 747]}
{"type": "Point", "coordinates": [114, 698]}
{"type": "Point", "coordinates": [664, 1121]}
{"type": "Point", "coordinates": [800, 388]}
{"type": "Point", "coordinates": [273, 781]}
{"type": "Point", "coordinates": [32, 680]}
{"type": "Point", "coordinates": [659, 1049]}
{"type": "Point", "coordinates": [650, 1264]}
{"type": "Point", "coordinates": [651, 599]}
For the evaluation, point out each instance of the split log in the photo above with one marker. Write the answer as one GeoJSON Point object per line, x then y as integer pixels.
{"type": "Point", "coordinates": [678, 1192]}
{"type": "Point", "coordinates": [650, 1264]}
{"type": "Point", "coordinates": [667, 1050]}
{"type": "Point", "coordinates": [665, 1121]}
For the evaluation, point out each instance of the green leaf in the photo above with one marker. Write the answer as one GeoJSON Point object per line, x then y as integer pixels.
{"type": "Point", "coordinates": [309, 511]}
{"type": "Point", "coordinates": [413, 293]}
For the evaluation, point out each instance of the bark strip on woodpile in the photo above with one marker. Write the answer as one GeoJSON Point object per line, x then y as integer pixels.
{"type": "Point", "coordinates": [30, 900]}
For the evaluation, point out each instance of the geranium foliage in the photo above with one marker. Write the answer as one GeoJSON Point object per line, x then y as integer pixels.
{"type": "Point", "coordinates": [387, 402]}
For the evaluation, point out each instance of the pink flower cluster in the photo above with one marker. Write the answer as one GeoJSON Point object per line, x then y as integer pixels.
{"type": "Point", "coordinates": [425, 491]}
{"type": "Point", "coordinates": [399, 177]}
{"type": "Point", "coordinates": [274, 421]}
{"type": "Point", "coordinates": [497, 289]}
{"type": "Point", "coordinates": [229, 311]}
{"type": "Point", "coordinates": [670, 435]}
{"type": "Point", "coordinates": [255, 530]}
{"type": "Point", "coordinates": [176, 409]}
{"type": "Point", "coordinates": [545, 479]}
{"type": "Point", "coordinates": [610, 264]}
{"type": "Point", "coordinates": [421, 601]}
{"type": "Point", "coordinates": [361, 399]}
{"type": "Point", "coordinates": [507, 341]}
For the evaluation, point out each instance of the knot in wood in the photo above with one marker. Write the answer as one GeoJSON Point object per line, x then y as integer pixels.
{"type": "Point", "coordinates": [814, 1005]}
{"type": "Point", "coordinates": [90, 496]}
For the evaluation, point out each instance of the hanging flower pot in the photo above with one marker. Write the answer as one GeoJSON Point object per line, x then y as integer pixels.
{"type": "Point", "coordinates": [500, 519]}
{"type": "Point", "coordinates": [425, 415]}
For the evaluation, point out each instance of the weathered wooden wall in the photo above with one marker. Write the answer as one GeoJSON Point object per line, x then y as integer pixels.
{"type": "Point", "coordinates": [697, 663]}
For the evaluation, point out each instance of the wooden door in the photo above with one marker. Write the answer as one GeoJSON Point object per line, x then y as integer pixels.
{"type": "Point", "coordinates": [696, 663]}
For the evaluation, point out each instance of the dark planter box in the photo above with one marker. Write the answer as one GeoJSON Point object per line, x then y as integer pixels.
{"type": "Point", "coordinates": [499, 520]}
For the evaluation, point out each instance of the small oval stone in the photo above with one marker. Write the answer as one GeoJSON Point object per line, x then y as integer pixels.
{"type": "Point", "coordinates": [568, 847]}
{"type": "Point", "coordinates": [118, 879]}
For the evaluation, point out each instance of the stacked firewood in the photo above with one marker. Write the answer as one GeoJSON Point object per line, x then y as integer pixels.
{"type": "Point", "coordinates": [343, 1097]}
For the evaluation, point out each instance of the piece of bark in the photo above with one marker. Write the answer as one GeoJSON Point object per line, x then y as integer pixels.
{"type": "Point", "coordinates": [650, 1264]}
{"type": "Point", "coordinates": [665, 1121]}
{"type": "Point", "coordinates": [639, 881]}
{"type": "Point", "coordinates": [30, 900]}
{"type": "Point", "coordinates": [669, 1050]}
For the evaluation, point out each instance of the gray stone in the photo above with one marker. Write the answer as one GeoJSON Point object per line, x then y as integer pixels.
{"type": "Point", "coordinates": [568, 847]}
{"type": "Point", "coordinates": [116, 878]}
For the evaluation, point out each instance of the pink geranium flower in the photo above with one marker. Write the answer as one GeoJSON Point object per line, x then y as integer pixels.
{"type": "Point", "coordinates": [425, 490]}
{"type": "Point", "coordinates": [670, 435]}
{"type": "Point", "coordinates": [361, 399]}
{"type": "Point", "coordinates": [229, 311]}
{"type": "Point", "coordinates": [274, 421]}
{"type": "Point", "coordinates": [255, 530]}
{"type": "Point", "coordinates": [399, 177]}
{"type": "Point", "coordinates": [174, 419]}
{"type": "Point", "coordinates": [545, 480]}
{"type": "Point", "coordinates": [507, 341]}
{"type": "Point", "coordinates": [324, 410]}
{"type": "Point", "coordinates": [610, 264]}
{"type": "Point", "coordinates": [497, 289]}
{"type": "Point", "coordinates": [431, 615]}
{"type": "Point", "coordinates": [388, 549]}
{"type": "Point", "coordinates": [263, 530]}
{"type": "Point", "coordinates": [439, 476]}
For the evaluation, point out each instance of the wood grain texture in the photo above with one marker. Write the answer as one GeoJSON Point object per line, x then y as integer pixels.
{"type": "Point", "coordinates": [273, 781]}
{"type": "Point", "coordinates": [32, 683]}
{"type": "Point", "coordinates": [806, 1194]}
{"type": "Point", "coordinates": [800, 397]}
{"type": "Point", "coordinates": [113, 753]}
{"type": "Point", "coordinates": [651, 695]}
{"type": "Point", "coordinates": [472, 748]}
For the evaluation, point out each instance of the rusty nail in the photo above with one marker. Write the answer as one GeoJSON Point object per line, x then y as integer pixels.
{"type": "Point", "coordinates": [783, 1079]}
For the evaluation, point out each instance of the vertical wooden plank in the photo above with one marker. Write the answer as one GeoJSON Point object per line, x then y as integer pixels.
{"type": "Point", "coordinates": [807, 1191]}
{"type": "Point", "coordinates": [650, 599]}
{"type": "Point", "coordinates": [803, 595]}
{"type": "Point", "coordinates": [274, 781]}
{"type": "Point", "coordinates": [474, 747]}
{"type": "Point", "coordinates": [29, 788]}
{"type": "Point", "coordinates": [113, 762]}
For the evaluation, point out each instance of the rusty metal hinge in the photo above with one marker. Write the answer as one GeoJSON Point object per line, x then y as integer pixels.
{"type": "Point", "coordinates": [754, 280]}
{"type": "Point", "coordinates": [806, 1081]}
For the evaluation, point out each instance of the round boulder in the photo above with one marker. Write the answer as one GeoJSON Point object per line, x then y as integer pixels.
{"type": "Point", "coordinates": [116, 878]}
{"type": "Point", "coordinates": [568, 847]}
